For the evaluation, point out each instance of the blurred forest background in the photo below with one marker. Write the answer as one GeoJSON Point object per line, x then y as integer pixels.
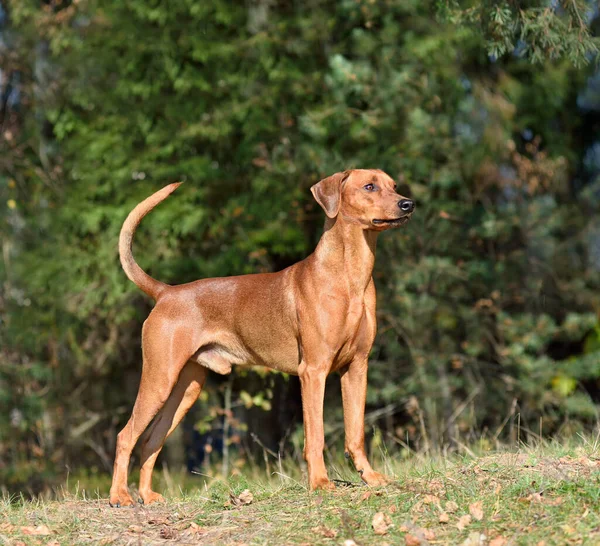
{"type": "Point", "coordinates": [486, 112]}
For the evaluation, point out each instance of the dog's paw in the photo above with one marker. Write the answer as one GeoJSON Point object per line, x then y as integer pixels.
{"type": "Point", "coordinates": [120, 498]}
{"type": "Point", "coordinates": [150, 497]}
{"type": "Point", "coordinates": [323, 484]}
{"type": "Point", "coordinates": [374, 479]}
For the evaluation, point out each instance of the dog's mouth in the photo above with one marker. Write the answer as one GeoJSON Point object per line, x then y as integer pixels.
{"type": "Point", "coordinates": [392, 221]}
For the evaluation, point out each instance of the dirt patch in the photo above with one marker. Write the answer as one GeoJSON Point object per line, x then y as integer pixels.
{"type": "Point", "coordinates": [564, 468]}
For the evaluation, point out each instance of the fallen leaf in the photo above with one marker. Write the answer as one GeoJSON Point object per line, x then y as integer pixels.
{"type": "Point", "coordinates": [412, 540]}
{"type": "Point", "coordinates": [349, 542]}
{"type": "Point", "coordinates": [539, 498]}
{"type": "Point", "coordinates": [194, 528]}
{"type": "Point", "coordinates": [381, 523]}
{"type": "Point", "coordinates": [366, 495]}
{"type": "Point", "coordinates": [431, 499]}
{"type": "Point", "coordinates": [474, 539]}
{"type": "Point", "coordinates": [418, 507]}
{"type": "Point", "coordinates": [107, 540]}
{"type": "Point", "coordinates": [463, 522]}
{"type": "Point", "coordinates": [498, 541]}
{"type": "Point", "coordinates": [158, 520]}
{"type": "Point", "coordinates": [168, 533]}
{"type": "Point", "coordinates": [245, 497]}
{"type": "Point", "coordinates": [325, 531]}
{"type": "Point", "coordinates": [135, 529]}
{"type": "Point", "coordinates": [444, 518]}
{"type": "Point", "coordinates": [427, 533]}
{"type": "Point", "coordinates": [39, 530]}
{"type": "Point", "coordinates": [476, 510]}
{"type": "Point", "coordinates": [451, 506]}
{"type": "Point", "coordinates": [534, 497]}
{"type": "Point", "coordinates": [393, 509]}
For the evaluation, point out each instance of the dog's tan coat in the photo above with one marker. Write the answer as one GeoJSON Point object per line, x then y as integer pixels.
{"type": "Point", "coordinates": [311, 319]}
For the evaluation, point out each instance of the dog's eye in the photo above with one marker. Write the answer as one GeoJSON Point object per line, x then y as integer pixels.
{"type": "Point", "coordinates": [370, 187]}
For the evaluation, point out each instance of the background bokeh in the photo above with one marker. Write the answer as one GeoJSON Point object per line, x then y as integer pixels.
{"type": "Point", "coordinates": [487, 114]}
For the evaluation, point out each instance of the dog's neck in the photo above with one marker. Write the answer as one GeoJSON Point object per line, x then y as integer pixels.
{"type": "Point", "coordinates": [348, 246]}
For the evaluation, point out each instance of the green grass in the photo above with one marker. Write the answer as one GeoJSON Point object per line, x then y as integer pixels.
{"type": "Point", "coordinates": [544, 495]}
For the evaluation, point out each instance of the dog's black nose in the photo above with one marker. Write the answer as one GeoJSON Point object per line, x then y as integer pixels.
{"type": "Point", "coordinates": [406, 205]}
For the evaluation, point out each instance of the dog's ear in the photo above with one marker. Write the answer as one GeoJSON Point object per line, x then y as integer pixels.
{"type": "Point", "coordinates": [328, 193]}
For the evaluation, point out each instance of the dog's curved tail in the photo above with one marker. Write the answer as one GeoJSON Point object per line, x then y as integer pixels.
{"type": "Point", "coordinates": [145, 282]}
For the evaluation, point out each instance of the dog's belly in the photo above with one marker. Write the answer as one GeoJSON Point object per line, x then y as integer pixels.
{"type": "Point", "coordinates": [221, 355]}
{"type": "Point", "coordinates": [246, 321]}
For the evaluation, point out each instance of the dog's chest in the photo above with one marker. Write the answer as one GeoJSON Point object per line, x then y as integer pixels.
{"type": "Point", "coordinates": [351, 338]}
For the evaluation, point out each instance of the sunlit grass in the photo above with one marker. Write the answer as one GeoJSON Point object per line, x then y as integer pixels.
{"type": "Point", "coordinates": [549, 492]}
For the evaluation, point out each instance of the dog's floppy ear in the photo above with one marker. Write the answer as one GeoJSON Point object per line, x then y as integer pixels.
{"type": "Point", "coordinates": [328, 193]}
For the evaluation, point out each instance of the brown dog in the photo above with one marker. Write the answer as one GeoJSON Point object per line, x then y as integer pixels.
{"type": "Point", "coordinates": [311, 319]}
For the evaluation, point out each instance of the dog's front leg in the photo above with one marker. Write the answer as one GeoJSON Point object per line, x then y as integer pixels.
{"type": "Point", "coordinates": [312, 384]}
{"type": "Point", "coordinates": [354, 396]}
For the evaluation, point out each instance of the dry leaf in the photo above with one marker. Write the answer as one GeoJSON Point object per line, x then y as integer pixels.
{"type": "Point", "coordinates": [194, 528]}
{"type": "Point", "coordinates": [427, 533]}
{"type": "Point", "coordinates": [245, 497]}
{"type": "Point", "coordinates": [474, 539]}
{"type": "Point", "coordinates": [366, 495]}
{"type": "Point", "coordinates": [451, 506]}
{"type": "Point", "coordinates": [158, 520]}
{"type": "Point", "coordinates": [349, 542]}
{"type": "Point", "coordinates": [463, 522]}
{"type": "Point", "coordinates": [325, 531]}
{"type": "Point", "coordinates": [168, 533]}
{"type": "Point", "coordinates": [498, 541]}
{"type": "Point", "coordinates": [381, 523]}
{"type": "Point", "coordinates": [418, 507]}
{"type": "Point", "coordinates": [412, 540]}
{"type": "Point", "coordinates": [52, 543]}
{"type": "Point", "coordinates": [135, 529]}
{"type": "Point", "coordinates": [431, 499]}
{"type": "Point", "coordinates": [539, 498]}
{"type": "Point", "coordinates": [476, 510]}
{"type": "Point", "coordinates": [38, 530]}
{"type": "Point", "coordinates": [444, 518]}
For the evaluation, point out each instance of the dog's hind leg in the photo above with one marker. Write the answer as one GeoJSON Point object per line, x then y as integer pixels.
{"type": "Point", "coordinates": [165, 354]}
{"type": "Point", "coordinates": [182, 398]}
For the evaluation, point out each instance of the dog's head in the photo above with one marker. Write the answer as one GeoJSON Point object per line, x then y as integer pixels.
{"type": "Point", "coordinates": [365, 197]}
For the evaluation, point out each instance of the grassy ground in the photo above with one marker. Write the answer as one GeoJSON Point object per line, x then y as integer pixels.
{"type": "Point", "coordinates": [542, 496]}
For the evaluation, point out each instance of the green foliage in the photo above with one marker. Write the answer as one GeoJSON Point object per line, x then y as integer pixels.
{"type": "Point", "coordinates": [488, 299]}
{"type": "Point", "coordinates": [537, 30]}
